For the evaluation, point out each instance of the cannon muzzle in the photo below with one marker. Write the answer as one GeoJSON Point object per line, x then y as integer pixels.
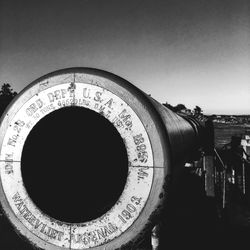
{"type": "Point", "coordinates": [86, 160]}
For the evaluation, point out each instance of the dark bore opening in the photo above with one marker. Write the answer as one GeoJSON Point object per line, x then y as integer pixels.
{"type": "Point", "coordinates": [74, 164]}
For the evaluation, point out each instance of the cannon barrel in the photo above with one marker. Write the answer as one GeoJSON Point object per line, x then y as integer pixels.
{"type": "Point", "coordinates": [86, 160]}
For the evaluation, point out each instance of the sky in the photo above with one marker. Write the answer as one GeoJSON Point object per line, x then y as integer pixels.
{"type": "Point", "coordinates": [195, 52]}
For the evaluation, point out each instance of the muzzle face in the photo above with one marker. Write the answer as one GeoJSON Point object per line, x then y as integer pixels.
{"type": "Point", "coordinates": [96, 93]}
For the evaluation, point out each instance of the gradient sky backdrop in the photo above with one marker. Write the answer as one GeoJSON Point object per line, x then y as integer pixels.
{"type": "Point", "coordinates": [195, 52]}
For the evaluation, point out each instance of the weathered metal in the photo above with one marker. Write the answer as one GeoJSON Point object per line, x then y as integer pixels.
{"type": "Point", "coordinates": [157, 141]}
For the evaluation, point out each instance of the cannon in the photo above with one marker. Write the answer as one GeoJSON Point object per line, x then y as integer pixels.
{"type": "Point", "coordinates": [87, 160]}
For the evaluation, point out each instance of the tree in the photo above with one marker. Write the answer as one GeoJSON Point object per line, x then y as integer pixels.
{"type": "Point", "coordinates": [197, 111]}
{"type": "Point", "coordinates": [6, 96]}
{"type": "Point", "coordinates": [6, 90]}
{"type": "Point", "coordinates": [169, 106]}
{"type": "Point", "coordinates": [179, 107]}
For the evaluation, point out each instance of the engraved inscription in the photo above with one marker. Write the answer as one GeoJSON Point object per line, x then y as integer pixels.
{"type": "Point", "coordinates": [18, 125]}
{"type": "Point", "coordinates": [142, 172]}
{"type": "Point", "coordinates": [123, 120]}
{"type": "Point", "coordinates": [35, 222]}
{"type": "Point", "coordinates": [109, 103]}
{"type": "Point", "coordinates": [72, 101]}
{"type": "Point", "coordinates": [97, 97]}
{"type": "Point", "coordinates": [139, 152]}
{"type": "Point", "coordinates": [141, 148]}
{"type": "Point", "coordinates": [86, 93]}
{"type": "Point", "coordinates": [47, 109]}
{"type": "Point", "coordinates": [32, 109]}
{"type": "Point", "coordinates": [43, 85]}
{"type": "Point", "coordinates": [126, 119]}
{"type": "Point", "coordinates": [136, 200]}
{"type": "Point", "coordinates": [12, 140]}
{"type": "Point", "coordinates": [9, 163]}
{"type": "Point", "coordinates": [57, 94]}
{"type": "Point", "coordinates": [93, 236]}
{"type": "Point", "coordinates": [72, 87]}
{"type": "Point", "coordinates": [67, 97]}
{"type": "Point", "coordinates": [128, 212]}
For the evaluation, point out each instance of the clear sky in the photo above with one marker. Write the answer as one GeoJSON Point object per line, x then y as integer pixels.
{"type": "Point", "coordinates": [195, 52]}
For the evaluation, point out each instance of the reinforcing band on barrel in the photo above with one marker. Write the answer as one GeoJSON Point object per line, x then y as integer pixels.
{"type": "Point", "coordinates": [46, 97]}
